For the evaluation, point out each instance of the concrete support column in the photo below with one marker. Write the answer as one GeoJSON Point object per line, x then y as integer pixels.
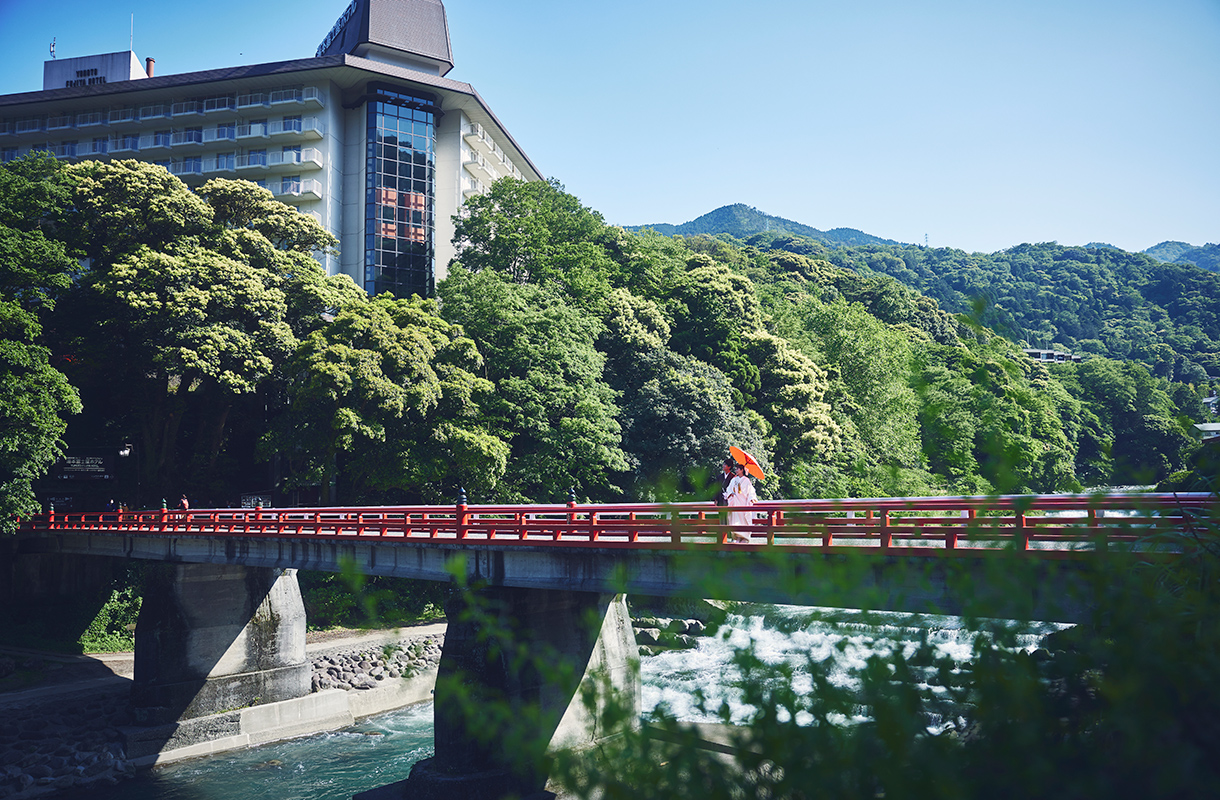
{"type": "Point", "coordinates": [508, 687]}
{"type": "Point", "coordinates": [215, 637]}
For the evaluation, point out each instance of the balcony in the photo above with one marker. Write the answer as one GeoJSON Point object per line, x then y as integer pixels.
{"type": "Point", "coordinates": [149, 141]}
{"type": "Point", "coordinates": [157, 111]}
{"type": "Point", "coordinates": [97, 147]}
{"type": "Point", "coordinates": [7, 128]}
{"type": "Point", "coordinates": [191, 136]}
{"type": "Point", "coordinates": [307, 189]}
{"type": "Point", "coordinates": [125, 144]}
{"type": "Point", "coordinates": [218, 104]}
{"type": "Point", "coordinates": [90, 118]}
{"type": "Point", "coordinates": [256, 130]}
{"type": "Point", "coordinates": [252, 161]}
{"type": "Point", "coordinates": [279, 96]}
{"type": "Point", "coordinates": [308, 128]}
{"type": "Point", "coordinates": [122, 115]}
{"type": "Point", "coordinates": [479, 166]}
{"type": "Point", "coordinates": [252, 100]}
{"type": "Point", "coordinates": [190, 166]}
{"type": "Point", "coordinates": [220, 164]}
{"type": "Point", "coordinates": [64, 150]}
{"type": "Point", "coordinates": [302, 95]}
{"type": "Point", "coordinates": [29, 125]}
{"type": "Point", "coordinates": [309, 158]}
{"type": "Point", "coordinates": [220, 134]}
{"type": "Point", "coordinates": [474, 186]}
{"type": "Point", "coordinates": [59, 123]}
{"type": "Point", "coordinates": [186, 107]}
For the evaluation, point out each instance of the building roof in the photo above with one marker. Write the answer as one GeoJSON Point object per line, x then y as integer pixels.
{"type": "Point", "coordinates": [346, 71]}
{"type": "Point", "coordinates": [414, 27]}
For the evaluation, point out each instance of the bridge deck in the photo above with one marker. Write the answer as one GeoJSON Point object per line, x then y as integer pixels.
{"type": "Point", "coordinates": [1040, 526]}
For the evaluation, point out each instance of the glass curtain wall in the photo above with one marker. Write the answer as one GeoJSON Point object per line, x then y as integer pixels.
{"type": "Point", "coordinates": [400, 188]}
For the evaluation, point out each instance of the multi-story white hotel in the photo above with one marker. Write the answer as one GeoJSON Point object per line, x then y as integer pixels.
{"type": "Point", "coordinates": [368, 136]}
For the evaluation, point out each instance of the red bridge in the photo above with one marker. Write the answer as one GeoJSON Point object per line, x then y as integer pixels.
{"type": "Point", "coordinates": [1040, 526]}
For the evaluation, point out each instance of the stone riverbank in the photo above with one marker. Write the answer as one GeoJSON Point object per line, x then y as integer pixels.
{"type": "Point", "coordinates": [70, 735]}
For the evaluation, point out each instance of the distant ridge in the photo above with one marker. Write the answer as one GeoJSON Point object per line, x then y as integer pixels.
{"type": "Point", "coordinates": [1207, 256]}
{"type": "Point", "coordinates": [742, 221]}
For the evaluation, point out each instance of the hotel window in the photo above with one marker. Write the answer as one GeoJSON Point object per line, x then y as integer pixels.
{"type": "Point", "coordinates": [292, 123]}
{"type": "Point", "coordinates": [226, 130]}
{"type": "Point", "coordinates": [226, 161]}
{"type": "Point", "coordinates": [400, 174]}
{"type": "Point", "coordinates": [8, 154]}
{"type": "Point", "coordinates": [101, 145]}
{"type": "Point", "coordinates": [130, 141]}
{"type": "Point", "coordinates": [192, 165]}
{"type": "Point", "coordinates": [258, 157]}
{"type": "Point", "coordinates": [291, 184]}
{"type": "Point", "coordinates": [162, 138]}
{"type": "Point", "coordinates": [292, 154]}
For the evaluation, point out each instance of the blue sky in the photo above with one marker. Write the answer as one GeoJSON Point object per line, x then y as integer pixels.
{"type": "Point", "coordinates": [979, 125]}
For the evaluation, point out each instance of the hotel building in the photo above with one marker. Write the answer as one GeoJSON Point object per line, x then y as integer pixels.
{"type": "Point", "coordinates": [368, 136]}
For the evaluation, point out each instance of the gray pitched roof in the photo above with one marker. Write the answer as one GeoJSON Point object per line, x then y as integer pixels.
{"type": "Point", "coordinates": [417, 27]}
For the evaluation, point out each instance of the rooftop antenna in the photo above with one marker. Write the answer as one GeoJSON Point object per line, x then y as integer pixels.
{"type": "Point", "coordinates": [52, 47]}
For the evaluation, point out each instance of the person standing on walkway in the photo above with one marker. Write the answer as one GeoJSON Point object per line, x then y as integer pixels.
{"type": "Point", "coordinates": [740, 493]}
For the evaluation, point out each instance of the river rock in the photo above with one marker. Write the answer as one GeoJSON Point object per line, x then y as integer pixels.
{"type": "Point", "coordinates": [648, 636]}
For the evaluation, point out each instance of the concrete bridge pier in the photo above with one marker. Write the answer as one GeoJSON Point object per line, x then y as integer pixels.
{"type": "Point", "coordinates": [509, 688]}
{"type": "Point", "coordinates": [217, 637]}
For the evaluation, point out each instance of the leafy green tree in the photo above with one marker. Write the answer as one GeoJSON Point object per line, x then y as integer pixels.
{"type": "Point", "coordinates": [677, 412]}
{"type": "Point", "coordinates": [551, 402]}
{"type": "Point", "coordinates": [534, 232]}
{"type": "Point", "coordinates": [35, 398]}
{"type": "Point", "coordinates": [184, 312]}
{"type": "Point", "coordinates": [384, 401]}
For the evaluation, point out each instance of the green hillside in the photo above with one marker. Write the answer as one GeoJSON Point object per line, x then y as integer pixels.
{"type": "Point", "coordinates": [1207, 256]}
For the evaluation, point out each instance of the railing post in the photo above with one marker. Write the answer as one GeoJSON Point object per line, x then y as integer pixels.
{"type": "Point", "coordinates": [1095, 531]}
{"type": "Point", "coordinates": [635, 532]}
{"type": "Point", "coordinates": [463, 518]}
{"type": "Point", "coordinates": [1022, 532]}
{"type": "Point", "coordinates": [164, 513]}
{"type": "Point", "coordinates": [886, 535]}
{"type": "Point", "coordinates": [828, 537]}
{"type": "Point", "coordinates": [773, 518]}
{"type": "Point", "coordinates": [50, 515]}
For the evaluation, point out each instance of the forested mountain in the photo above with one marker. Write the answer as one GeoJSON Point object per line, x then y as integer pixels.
{"type": "Point", "coordinates": [741, 221]}
{"type": "Point", "coordinates": [561, 354]}
{"type": "Point", "coordinates": [1086, 300]}
{"type": "Point", "coordinates": [1207, 256]}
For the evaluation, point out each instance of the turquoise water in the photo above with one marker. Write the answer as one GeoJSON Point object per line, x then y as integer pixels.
{"type": "Point", "coordinates": [383, 749]}
{"type": "Point", "coordinates": [378, 751]}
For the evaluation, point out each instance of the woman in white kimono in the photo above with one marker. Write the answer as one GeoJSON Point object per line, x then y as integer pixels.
{"type": "Point", "coordinates": [740, 493]}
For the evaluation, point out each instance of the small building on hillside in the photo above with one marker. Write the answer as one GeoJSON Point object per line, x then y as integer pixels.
{"type": "Point", "coordinates": [1210, 430]}
{"type": "Point", "coordinates": [1053, 356]}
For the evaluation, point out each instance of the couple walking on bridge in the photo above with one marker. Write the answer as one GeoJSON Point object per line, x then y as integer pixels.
{"type": "Point", "coordinates": [736, 491]}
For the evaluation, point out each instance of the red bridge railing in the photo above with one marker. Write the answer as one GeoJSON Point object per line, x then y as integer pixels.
{"type": "Point", "coordinates": [1047, 526]}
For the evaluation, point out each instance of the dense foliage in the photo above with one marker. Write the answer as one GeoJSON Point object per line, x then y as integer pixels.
{"type": "Point", "coordinates": [1095, 300]}
{"type": "Point", "coordinates": [561, 354]}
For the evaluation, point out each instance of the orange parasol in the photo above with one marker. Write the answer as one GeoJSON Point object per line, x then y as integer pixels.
{"type": "Point", "coordinates": [748, 461]}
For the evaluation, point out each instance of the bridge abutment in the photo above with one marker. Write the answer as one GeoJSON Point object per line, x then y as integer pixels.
{"type": "Point", "coordinates": [511, 686]}
{"type": "Point", "coordinates": [216, 637]}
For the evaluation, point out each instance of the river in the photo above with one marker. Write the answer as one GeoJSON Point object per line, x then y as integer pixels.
{"type": "Point", "coordinates": [383, 749]}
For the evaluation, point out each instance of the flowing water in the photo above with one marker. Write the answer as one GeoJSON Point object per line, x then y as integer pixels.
{"type": "Point", "coordinates": [383, 749]}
